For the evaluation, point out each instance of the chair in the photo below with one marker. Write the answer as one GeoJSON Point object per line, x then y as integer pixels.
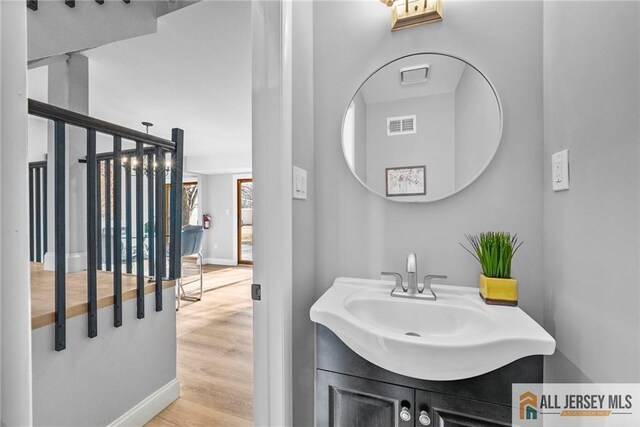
{"type": "Point", "coordinates": [191, 245]}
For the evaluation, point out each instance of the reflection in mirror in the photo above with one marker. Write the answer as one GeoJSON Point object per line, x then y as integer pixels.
{"type": "Point", "coordinates": [422, 128]}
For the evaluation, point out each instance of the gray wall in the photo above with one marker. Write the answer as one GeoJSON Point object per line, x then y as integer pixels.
{"type": "Point", "coordinates": [433, 145]}
{"type": "Point", "coordinates": [476, 126]}
{"type": "Point", "coordinates": [96, 380]}
{"type": "Point", "coordinates": [217, 199]}
{"type": "Point", "coordinates": [303, 275]}
{"type": "Point", "coordinates": [360, 131]}
{"type": "Point", "coordinates": [360, 234]}
{"type": "Point", "coordinates": [591, 95]}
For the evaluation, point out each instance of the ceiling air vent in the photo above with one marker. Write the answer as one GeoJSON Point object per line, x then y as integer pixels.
{"type": "Point", "coordinates": [413, 75]}
{"type": "Point", "coordinates": [401, 125]}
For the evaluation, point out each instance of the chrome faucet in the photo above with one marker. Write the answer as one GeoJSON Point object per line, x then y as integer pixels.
{"type": "Point", "coordinates": [412, 290]}
{"type": "Point", "coordinates": [412, 273]}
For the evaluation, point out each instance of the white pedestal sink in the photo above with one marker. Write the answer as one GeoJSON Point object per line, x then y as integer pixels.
{"type": "Point", "coordinates": [456, 337]}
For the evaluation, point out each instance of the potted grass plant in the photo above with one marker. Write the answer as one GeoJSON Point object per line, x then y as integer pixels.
{"type": "Point", "coordinates": [494, 251]}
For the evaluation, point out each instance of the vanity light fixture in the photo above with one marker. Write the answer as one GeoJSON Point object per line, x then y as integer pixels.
{"type": "Point", "coordinates": [409, 13]}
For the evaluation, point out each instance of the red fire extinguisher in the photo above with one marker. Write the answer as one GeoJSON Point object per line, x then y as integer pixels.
{"type": "Point", "coordinates": [206, 222]}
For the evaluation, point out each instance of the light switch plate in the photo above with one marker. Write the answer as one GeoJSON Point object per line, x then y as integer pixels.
{"type": "Point", "coordinates": [560, 170]}
{"type": "Point", "coordinates": [299, 183]}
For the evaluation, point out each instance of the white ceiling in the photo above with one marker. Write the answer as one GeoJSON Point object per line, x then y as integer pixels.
{"type": "Point", "coordinates": [384, 86]}
{"type": "Point", "coordinates": [194, 73]}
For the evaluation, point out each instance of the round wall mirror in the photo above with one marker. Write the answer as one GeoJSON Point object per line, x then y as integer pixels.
{"type": "Point", "coordinates": [422, 128]}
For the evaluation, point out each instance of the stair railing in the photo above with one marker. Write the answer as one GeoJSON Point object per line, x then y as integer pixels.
{"type": "Point", "coordinates": [148, 147]}
{"type": "Point", "coordinates": [38, 242]}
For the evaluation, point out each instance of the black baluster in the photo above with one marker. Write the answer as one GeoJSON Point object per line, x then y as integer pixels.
{"type": "Point", "coordinates": [150, 215]}
{"type": "Point", "coordinates": [160, 228]}
{"type": "Point", "coordinates": [31, 220]}
{"type": "Point", "coordinates": [60, 230]}
{"type": "Point", "coordinates": [45, 213]}
{"type": "Point", "coordinates": [117, 231]}
{"type": "Point", "coordinates": [128, 225]}
{"type": "Point", "coordinates": [107, 214]}
{"type": "Point", "coordinates": [140, 228]}
{"type": "Point", "coordinates": [99, 218]}
{"type": "Point", "coordinates": [175, 214]}
{"type": "Point", "coordinates": [38, 215]}
{"type": "Point", "coordinates": [92, 250]}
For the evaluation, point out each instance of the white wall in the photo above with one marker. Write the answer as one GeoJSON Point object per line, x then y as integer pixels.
{"type": "Point", "coordinates": [433, 145]}
{"type": "Point", "coordinates": [591, 232]}
{"type": "Point", "coordinates": [477, 126]}
{"type": "Point", "coordinates": [94, 381]}
{"type": "Point", "coordinates": [159, 78]}
{"type": "Point", "coordinates": [15, 295]}
{"type": "Point", "coordinates": [37, 88]}
{"type": "Point", "coordinates": [93, 25]}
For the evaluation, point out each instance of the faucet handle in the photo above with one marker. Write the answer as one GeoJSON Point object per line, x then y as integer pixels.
{"type": "Point", "coordinates": [427, 281]}
{"type": "Point", "coordinates": [429, 277]}
{"type": "Point", "coordinates": [398, 277]}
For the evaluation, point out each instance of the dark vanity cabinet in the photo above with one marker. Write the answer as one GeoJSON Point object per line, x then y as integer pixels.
{"type": "Point", "coordinates": [353, 401]}
{"type": "Point", "coordinates": [352, 392]}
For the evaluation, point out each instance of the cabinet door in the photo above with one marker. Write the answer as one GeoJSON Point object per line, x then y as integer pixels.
{"type": "Point", "coordinates": [346, 401]}
{"type": "Point", "coordinates": [450, 411]}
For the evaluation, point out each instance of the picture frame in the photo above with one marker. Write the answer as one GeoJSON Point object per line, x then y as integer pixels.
{"type": "Point", "coordinates": [406, 181]}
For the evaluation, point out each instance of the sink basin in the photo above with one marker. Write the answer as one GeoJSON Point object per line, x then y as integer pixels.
{"type": "Point", "coordinates": [455, 337]}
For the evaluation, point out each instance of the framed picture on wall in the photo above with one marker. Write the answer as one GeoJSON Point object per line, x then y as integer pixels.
{"type": "Point", "coordinates": [406, 181]}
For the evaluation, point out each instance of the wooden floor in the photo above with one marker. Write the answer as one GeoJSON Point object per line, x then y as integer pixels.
{"type": "Point", "coordinates": [42, 293]}
{"type": "Point", "coordinates": [215, 354]}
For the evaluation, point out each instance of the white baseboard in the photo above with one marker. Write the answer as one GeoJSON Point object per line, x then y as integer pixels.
{"type": "Point", "coordinates": [144, 411]}
{"type": "Point", "coordinates": [220, 261]}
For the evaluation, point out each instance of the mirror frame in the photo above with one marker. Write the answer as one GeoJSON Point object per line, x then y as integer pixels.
{"type": "Point", "coordinates": [484, 167]}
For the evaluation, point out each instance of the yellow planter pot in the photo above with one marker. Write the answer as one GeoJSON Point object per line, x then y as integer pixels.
{"type": "Point", "coordinates": [499, 291]}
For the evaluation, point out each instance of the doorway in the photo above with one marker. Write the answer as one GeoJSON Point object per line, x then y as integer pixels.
{"type": "Point", "coordinates": [244, 196]}
{"type": "Point", "coordinates": [270, 148]}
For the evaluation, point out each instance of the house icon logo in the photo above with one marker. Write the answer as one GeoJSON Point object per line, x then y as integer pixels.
{"type": "Point", "coordinates": [528, 406]}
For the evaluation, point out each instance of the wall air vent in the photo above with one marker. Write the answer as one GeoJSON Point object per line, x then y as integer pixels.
{"type": "Point", "coordinates": [401, 125]}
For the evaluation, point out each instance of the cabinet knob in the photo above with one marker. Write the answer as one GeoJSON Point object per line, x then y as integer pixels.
{"type": "Point", "coordinates": [424, 418]}
{"type": "Point", "coordinates": [405, 415]}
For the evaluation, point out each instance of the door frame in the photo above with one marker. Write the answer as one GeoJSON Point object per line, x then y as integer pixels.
{"type": "Point", "coordinates": [15, 301]}
{"type": "Point", "coordinates": [238, 220]}
{"type": "Point", "coordinates": [272, 110]}
{"type": "Point", "coordinates": [271, 150]}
